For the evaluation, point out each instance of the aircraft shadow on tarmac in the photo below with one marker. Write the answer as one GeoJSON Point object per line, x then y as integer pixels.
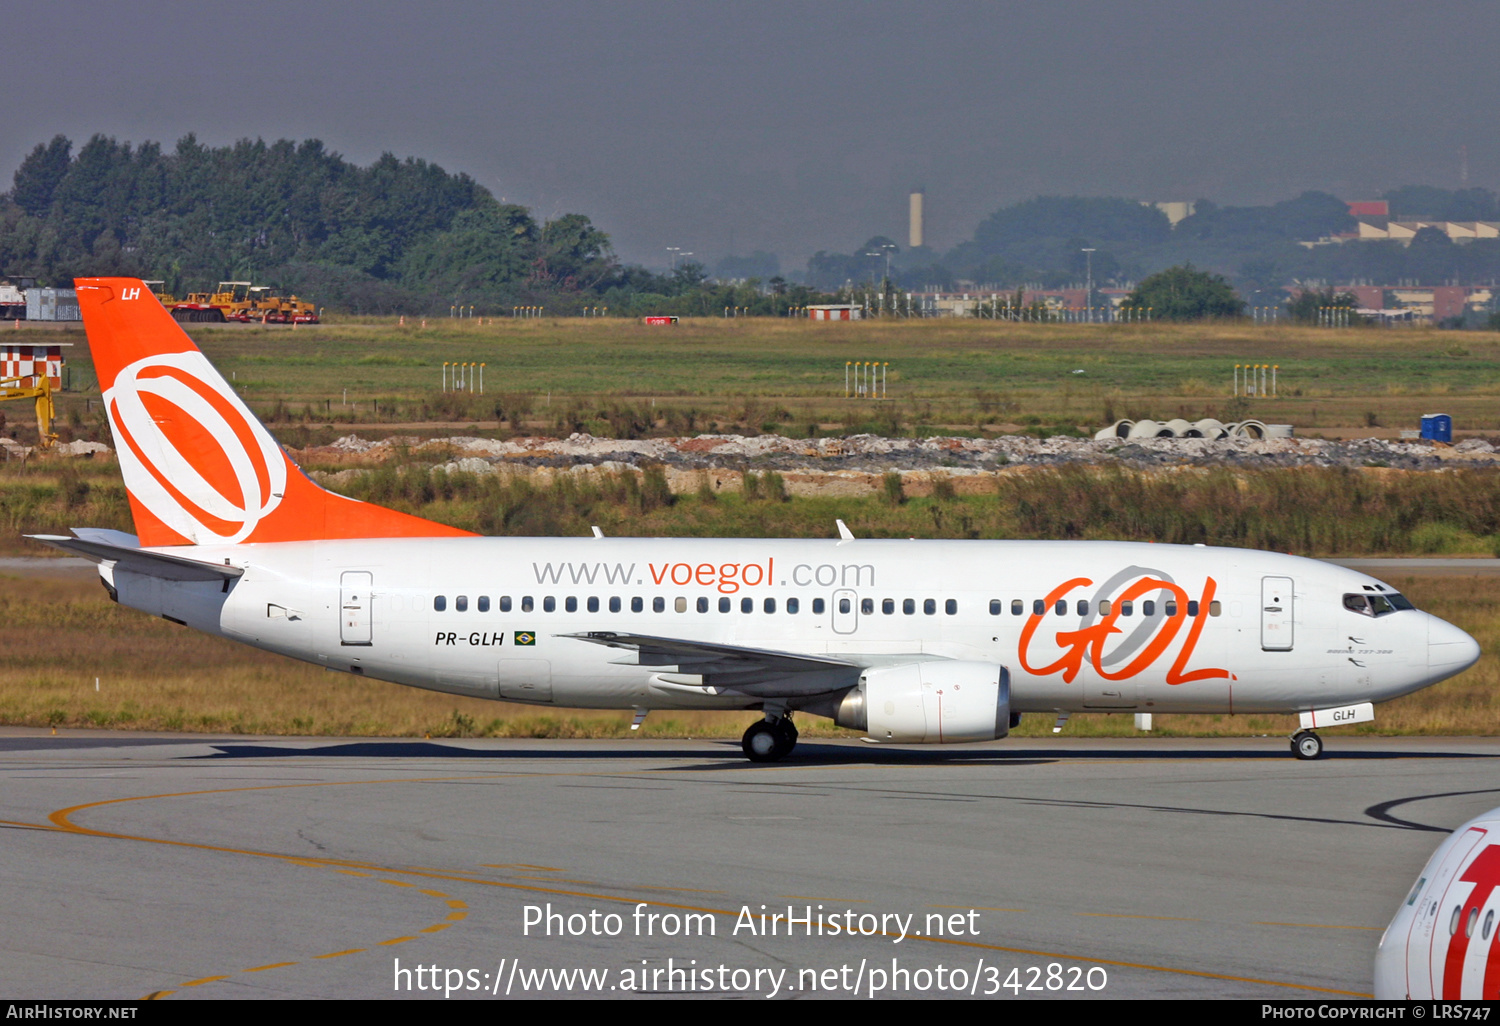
{"type": "Point", "coordinates": [730, 755]}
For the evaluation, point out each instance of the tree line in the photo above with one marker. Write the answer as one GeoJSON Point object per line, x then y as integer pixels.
{"type": "Point", "coordinates": [398, 236]}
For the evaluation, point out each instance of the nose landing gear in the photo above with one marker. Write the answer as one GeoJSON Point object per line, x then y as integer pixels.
{"type": "Point", "coordinates": [769, 740]}
{"type": "Point", "coordinates": [1307, 745]}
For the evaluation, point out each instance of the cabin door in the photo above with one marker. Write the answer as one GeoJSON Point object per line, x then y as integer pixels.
{"type": "Point", "coordinates": [354, 607]}
{"type": "Point", "coordinates": [1276, 614]}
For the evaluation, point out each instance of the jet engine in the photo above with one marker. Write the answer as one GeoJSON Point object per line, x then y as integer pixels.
{"type": "Point", "coordinates": [940, 701]}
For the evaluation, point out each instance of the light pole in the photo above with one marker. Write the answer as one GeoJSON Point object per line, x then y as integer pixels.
{"type": "Point", "coordinates": [1088, 288]}
{"type": "Point", "coordinates": [672, 260]}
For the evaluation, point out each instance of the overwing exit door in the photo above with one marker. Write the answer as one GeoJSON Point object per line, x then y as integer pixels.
{"type": "Point", "coordinates": [845, 611]}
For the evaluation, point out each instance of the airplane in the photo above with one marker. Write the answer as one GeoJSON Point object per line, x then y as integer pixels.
{"type": "Point", "coordinates": [1443, 943]}
{"type": "Point", "coordinates": [909, 641]}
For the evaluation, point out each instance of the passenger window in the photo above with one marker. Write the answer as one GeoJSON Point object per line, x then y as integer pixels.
{"type": "Point", "coordinates": [484, 603]}
{"type": "Point", "coordinates": [818, 607]}
{"type": "Point", "coordinates": [929, 606]}
{"type": "Point", "coordinates": [638, 604]}
{"type": "Point", "coordinates": [1171, 607]}
{"type": "Point", "coordinates": [1083, 607]}
{"type": "Point", "coordinates": [570, 604]}
{"type": "Point", "coordinates": [1061, 608]}
{"type": "Point", "coordinates": [440, 602]}
{"type": "Point", "coordinates": [995, 607]}
{"type": "Point", "coordinates": [614, 603]}
{"type": "Point", "coordinates": [1038, 607]}
{"type": "Point", "coordinates": [680, 604]}
{"type": "Point", "coordinates": [659, 605]}
{"type": "Point", "coordinates": [908, 606]}
{"type": "Point", "coordinates": [845, 606]}
{"type": "Point", "coordinates": [867, 606]}
{"type": "Point", "coordinates": [1193, 607]}
{"type": "Point", "coordinates": [1215, 608]}
{"type": "Point", "coordinates": [725, 605]}
{"type": "Point", "coordinates": [1104, 607]}
{"type": "Point", "coordinates": [747, 605]}
{"type": "Point", "coordinates": [461, 604]}
{"type": "Point", "coordinates": [1017, 607]}
{"type": "Point", "coordinates": [593, 603]}
{"type": "Point", "coordinates": [1127, 608]}
{"type": "Point", "coordinates": [769, 605]}
{"type": "Point", "coordinates": [951, 607]}
{"type": "Point", "coordinates": [1148, 607]}
{"type": "Point", "coordinates": [1489, 922]}
{"type": "Point", "coordinates": [702, 605]}
{"type": "Point", "coordinates": [887, 606]}
{"type": "Point", "coordinates": [505, 603]}
{"type": "Point", "coordinates": [793, 605]}
{"type": "Point", "coordinates": [549, 604]}
{"type": "Point", "coordinates": [525, 603]}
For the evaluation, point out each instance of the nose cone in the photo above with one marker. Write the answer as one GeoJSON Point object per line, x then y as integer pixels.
{"type": "Point", "coordinates": [1449, 650]}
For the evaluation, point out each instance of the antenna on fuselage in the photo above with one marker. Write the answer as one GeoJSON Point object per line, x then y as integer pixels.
{"type": "Point", "coordinates": [845, 534]}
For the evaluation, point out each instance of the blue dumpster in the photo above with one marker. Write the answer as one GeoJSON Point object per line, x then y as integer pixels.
{"type": "Point", "coordinates": [1437, 427]}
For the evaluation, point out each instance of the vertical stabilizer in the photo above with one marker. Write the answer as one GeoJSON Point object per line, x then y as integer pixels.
{"type": "Point", "coordinates": [198, 466]}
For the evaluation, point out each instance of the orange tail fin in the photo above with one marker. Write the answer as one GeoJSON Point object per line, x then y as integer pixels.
{"type": "Point", "coordinates": [198, 466]}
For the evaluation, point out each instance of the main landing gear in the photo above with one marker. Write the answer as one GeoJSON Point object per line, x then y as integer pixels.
{"type": "Point", "coordinates": [1307, 745]}
{"type": "Point", "coordinates": [769, 740]}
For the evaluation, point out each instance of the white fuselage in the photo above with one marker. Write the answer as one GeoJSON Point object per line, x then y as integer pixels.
{"type": "Point", "coordinates": [1163, 627]}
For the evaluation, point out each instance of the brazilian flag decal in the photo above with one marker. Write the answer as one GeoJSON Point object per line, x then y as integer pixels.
{"type": "Point", "coordinates": [525, 638]}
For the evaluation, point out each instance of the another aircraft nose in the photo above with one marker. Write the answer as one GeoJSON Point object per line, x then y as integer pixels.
{"type": "Point", "coordinates": [1449, 650]}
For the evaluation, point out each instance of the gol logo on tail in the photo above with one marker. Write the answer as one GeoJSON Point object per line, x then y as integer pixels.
{"type": "Point", "coordinates": [191, 452]}
{"type": "Point", "coordinates": [1088, 642]}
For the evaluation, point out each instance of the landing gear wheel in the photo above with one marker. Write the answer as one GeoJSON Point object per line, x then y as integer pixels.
{"type": "Point", "coordinates": [1307, 745]}
{"type": "Point", "coordinates": [764, 742]}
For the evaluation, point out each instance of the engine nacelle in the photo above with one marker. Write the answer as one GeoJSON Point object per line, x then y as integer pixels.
{"type": "Point", "coordinates": [941, 701]}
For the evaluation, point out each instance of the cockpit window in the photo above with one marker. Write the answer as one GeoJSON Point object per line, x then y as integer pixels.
{"type": "Point", "coordinates": [1376, 604]}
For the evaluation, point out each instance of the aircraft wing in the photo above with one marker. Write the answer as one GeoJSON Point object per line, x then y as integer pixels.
{"type": "Point", "coordinates": [751, 671]}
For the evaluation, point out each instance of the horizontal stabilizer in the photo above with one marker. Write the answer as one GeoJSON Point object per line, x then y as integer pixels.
{"type": "Point", "coordinates": [137, 560]}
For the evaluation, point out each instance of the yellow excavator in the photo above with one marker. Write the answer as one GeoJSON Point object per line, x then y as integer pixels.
{"type": "Point", "coordinates": [38, 387]}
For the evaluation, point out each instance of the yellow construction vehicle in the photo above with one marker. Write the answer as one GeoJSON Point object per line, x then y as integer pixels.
{"type": "Point", "coordinates": [230, 302]}
{"type": "Point", "coordinates": [166, 299]}
{"type": "Point", "coordinates": [271, 307]}
{"type": "Point", "coordinates": [41, 391]}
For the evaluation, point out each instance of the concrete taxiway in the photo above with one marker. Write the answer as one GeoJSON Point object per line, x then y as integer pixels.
{"type": "Point", "coordinates": [188, 867]}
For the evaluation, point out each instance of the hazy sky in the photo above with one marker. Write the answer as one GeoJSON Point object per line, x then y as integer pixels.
{"type": "Point", "coordinates": [787, 126]}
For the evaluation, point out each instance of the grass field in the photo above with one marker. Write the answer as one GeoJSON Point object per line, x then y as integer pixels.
{"type": "Point", "coordinates": [59, 637]}
{"type": "Point", "coordinates": [1308, 511]}
{"type": "Point", "coordinates": [773, 374]}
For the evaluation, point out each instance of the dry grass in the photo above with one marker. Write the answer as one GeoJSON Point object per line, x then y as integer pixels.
{"type": "Point", "coordinates": [153, 675]}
